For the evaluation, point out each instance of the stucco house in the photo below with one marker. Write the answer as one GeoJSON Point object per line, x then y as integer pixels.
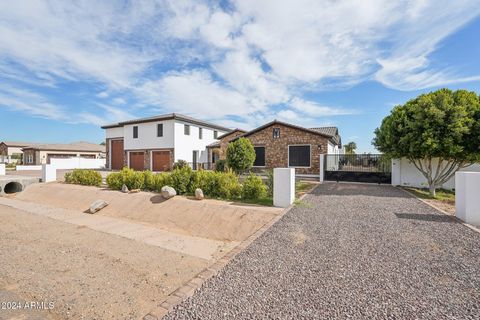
{"type": "Point", "coordinates": [280, 144]}
{"type": "Point", "coordinates": [37, 154]}
{"type": "Point", "coordinates": [155, 143]}
{"type": "Point", "coordinates": [11, 151]}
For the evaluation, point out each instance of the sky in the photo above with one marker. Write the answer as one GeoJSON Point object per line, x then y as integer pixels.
{"type": "Point", "coordinates": [68, 67]}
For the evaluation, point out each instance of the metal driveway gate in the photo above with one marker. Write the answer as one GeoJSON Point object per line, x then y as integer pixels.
{"type": "Point", "coordinates": [374, 168]}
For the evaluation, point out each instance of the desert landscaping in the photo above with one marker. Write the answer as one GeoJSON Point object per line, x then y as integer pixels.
{"type": "Point", "coordinates": [59, 253]}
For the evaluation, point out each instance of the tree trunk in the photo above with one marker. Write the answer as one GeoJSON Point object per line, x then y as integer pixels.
{"type": "Point", "coordinates": [432, 190]}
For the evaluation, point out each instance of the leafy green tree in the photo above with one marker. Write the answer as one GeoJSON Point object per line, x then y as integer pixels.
{"type": "Point", "coordinates": [240, 155]}
{"type": "Point", "coordinates": [438, 132]}
{"type": "Point", "coordinates": [350, 148]}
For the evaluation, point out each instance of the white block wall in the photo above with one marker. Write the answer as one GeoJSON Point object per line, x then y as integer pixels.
{"type": "Point", "coordinates": [283, 187]}
{"type": "Point", "coordinates": [2, 169]}
{"type": "Point", "coordinates": [78, 163]}
{"type": "Point", "coordinates": [467, 200]}
{"type": "Point", "coordinates": [404, 173]}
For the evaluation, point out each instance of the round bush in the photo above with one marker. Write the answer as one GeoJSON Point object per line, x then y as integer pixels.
{"type": "Point", "coordinates": [84, 177]}
{"type": "Point", "coordinates": [253, 187]}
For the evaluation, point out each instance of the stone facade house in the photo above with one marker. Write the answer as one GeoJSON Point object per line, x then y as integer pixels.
{"type": "Point", "coordinates": [280, 144]}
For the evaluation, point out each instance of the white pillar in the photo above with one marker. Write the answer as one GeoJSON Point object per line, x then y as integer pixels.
{"type": "Point", "coordinates": [467, 201]}
{"type": "Point", "coordinates": [396, 172]}
{"type": "Point", "coordinates": [49, 173]}
{"type": "Point", "coordinates": [322, 167]}
{"type": "Point", "coordinates": [2, 169]}
{"type": "Point", "coordinates": [283, 187]}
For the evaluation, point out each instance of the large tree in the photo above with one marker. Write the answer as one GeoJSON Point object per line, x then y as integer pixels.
{"type": "Point", "coordinates": [438, 132]}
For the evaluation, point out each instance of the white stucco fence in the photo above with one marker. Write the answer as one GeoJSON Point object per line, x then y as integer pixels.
{"type": "Point", "coordinates": [28, 168]}
{"type": "Point", "coordinates": [78, 163]}
{"type": "Point", "coordinates": [404, 173]}
{"type": "Point", "coordinates": [467, 201]}
{"type": "Point", "coordinates": [2, 169]}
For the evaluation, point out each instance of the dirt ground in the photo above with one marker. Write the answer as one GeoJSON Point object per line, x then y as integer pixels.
{"type": "Point", "coordinates": [85, 273]}
{"type": "Point", "coordinates": [98, 275]}
{"type": "Point", "coordinates": [212, 219]}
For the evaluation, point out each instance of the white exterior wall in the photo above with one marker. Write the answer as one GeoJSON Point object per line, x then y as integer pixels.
{"type": "Point", "coordinates": [114, 132]}
{"type": "Point", "coordinates": [404, 173]}
{"type": "Point", "coordinates": [186, 144]}
{"type": "Point", "coordinates": [41, 156]}
{"type": "Point", "coordinates": [332, 148]}
{"type": "Point", "coordinates": [147, 136]}
{"type": "Point", "coordinates": [78, 163]}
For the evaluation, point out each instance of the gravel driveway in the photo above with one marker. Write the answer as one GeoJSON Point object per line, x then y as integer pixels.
{"type": "Point", "coordinates": [350, 251]}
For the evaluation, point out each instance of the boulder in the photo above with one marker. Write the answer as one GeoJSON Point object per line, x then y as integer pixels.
{"type": "Point", "coordinates": [199, 194]}
{"type": "Point", "coordinates": [168, 192]}
{"type": "Point", "coordinates": [125, 189]}
{"type": "Point", "coordinates": [97, 205]}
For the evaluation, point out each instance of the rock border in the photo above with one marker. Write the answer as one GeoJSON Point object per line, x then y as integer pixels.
{"type": "Point", "coordinates": [189, 288]}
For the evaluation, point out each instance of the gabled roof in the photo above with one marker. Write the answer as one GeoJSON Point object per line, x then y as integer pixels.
{"type": "Point", "coordinates": [18, 143]}
{"type": "Point", "coordinates": [80, 146]}
{"type": "Point", "coordinates": [214, 144]}
{"type": "Point", "coordinates": [168, 116]}
{"type": "Point", "coordinates": [331, 131]}
{"type": "Point", "coordinates": [327, 133]}
{"type": "Point", "coordinates": [230, 132]}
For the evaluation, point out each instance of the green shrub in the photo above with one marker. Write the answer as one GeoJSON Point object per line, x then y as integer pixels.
{"type": "Point", "coordinates": [269, 182]}
{"type": "Point", "coordinates": [253, 187]}
{"type": "Point", "coordinates": [240, 155]}
{"type": "Point", "coordinates": [224, 185]}
{"type": "Point", "coordinates": [180, 164]}
{"type": "Point", "coordinates": [201, 179]}
{"type": "Point", "coordinates": [180, 179]}
{"type": "Point", "coordinates": [131, 178]}
{"type": "Point", "coordinates": [221, 165]}
{"type": "Point", "coordinates": [84, 177]}
{"type": "Point", "coordinates": [148, 180]}
{"type": "Point", "coordinates": [161, 180]}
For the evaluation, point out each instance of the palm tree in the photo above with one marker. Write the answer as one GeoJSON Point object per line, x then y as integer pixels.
{"type": "Point", "coordinates": [350, 148]}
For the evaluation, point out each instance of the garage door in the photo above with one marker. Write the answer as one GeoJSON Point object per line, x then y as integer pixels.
{"type": "Point", "coordinates": [137, 160]}
{"type": "Point", "coordinates": [161, 160]}
{"type": "Point", "coordinates": [117, 155]}
{"type": "Point", "coordinates": [58, 156]}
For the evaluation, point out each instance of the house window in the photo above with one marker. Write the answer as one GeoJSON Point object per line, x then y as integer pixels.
{"type": "Point", "coordinates": [276, 133]}
{"type": "Point", "coordinates": [30, 158]}
{"type": "Point", "coordinates": [186, 129]}
{"type": "Point", "coordinates": [160, 130]}
{"type": "Point", "coordinates": [259, 157]}
{"type": "Point", "coordinates": [200, 133]}
{"type": "Point", "coordinates": [215, 134]}
{"type": "Point", "coordinates": [135, 132]}
{"type": "Point", "coordinates": [299, 156]}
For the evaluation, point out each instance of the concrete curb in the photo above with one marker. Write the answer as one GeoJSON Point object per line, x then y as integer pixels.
{"type": "Point", "coordinates": [440, 210]}
{"type": "Point", "coordinates": [189, 288]}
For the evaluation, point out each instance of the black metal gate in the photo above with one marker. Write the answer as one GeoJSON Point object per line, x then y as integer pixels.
{"type": "Point", "coordinates": [373, 168]}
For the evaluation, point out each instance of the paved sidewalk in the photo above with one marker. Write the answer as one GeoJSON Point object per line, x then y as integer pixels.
{"type": "Point", "coordinates": [350, 251]}
{"type": "Point", "coordinates": [194, 246]}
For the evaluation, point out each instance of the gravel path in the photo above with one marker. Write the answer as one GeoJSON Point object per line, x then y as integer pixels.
{"type": "Point", "coordinates": [350, 251]}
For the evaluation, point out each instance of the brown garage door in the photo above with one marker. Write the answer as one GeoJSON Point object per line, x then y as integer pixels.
{"type": "Point", "coordinates": [137, 160]}
{"type": "Point", "coordinates": [161, 160]}
{"type": "Point", "coordinates": [58, 156]}
{"type": "Point", "coordinates": [117, 155]}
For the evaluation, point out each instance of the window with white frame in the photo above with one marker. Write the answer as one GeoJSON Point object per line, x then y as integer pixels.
{"type": "Point", "coordinates": [299, 156]}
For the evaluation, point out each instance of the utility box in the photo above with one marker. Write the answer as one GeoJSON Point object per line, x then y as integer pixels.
{"type": "Point", "coordinates": [49, 173]}
{"type": "Point", "coordinates": [283, 187]}
{"type": "Point", "coordinates": [467, 199]}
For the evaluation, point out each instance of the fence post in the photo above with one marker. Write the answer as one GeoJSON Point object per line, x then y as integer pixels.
{"type": "Point", "coordinates": [322, 167]}
{"type": "Point", "coordinates": [2, 169]}
{"type": "Point", "coordinates": [283, 187]}
{"type": "Point", "coordinates": [49, 173]}
{"type": "Point", "coordinates": [467, 202]}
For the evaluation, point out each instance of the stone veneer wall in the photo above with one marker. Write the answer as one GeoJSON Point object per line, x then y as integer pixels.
{"type": "Point", "coordinates": [276, 150]}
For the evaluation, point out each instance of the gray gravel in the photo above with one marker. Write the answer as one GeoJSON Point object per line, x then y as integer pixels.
{"type": "Point", "coordinates": [350, 251]}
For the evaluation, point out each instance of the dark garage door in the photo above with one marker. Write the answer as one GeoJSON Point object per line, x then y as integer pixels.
{"type": "Point", "coordinates": [117, 155]}
{"type": "Point", "coordinates": [137, 161]}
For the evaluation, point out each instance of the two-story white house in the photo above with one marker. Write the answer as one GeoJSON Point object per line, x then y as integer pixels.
{"type": "Point", "coordinates": [155, 143]}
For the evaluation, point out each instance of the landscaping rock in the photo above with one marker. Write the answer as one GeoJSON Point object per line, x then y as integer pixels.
{"type": "Point", "coordinates": [168, 192]}
{"type": "Point", "coordinates": [97, 205]}
{"type": "Point", "coordinates": [199, 194]}
{"type": "Point", "coordinates": [125, 189]}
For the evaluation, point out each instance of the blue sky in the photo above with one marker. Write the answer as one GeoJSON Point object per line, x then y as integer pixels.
{"type": "Point", "coordinates": [67, 68]}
